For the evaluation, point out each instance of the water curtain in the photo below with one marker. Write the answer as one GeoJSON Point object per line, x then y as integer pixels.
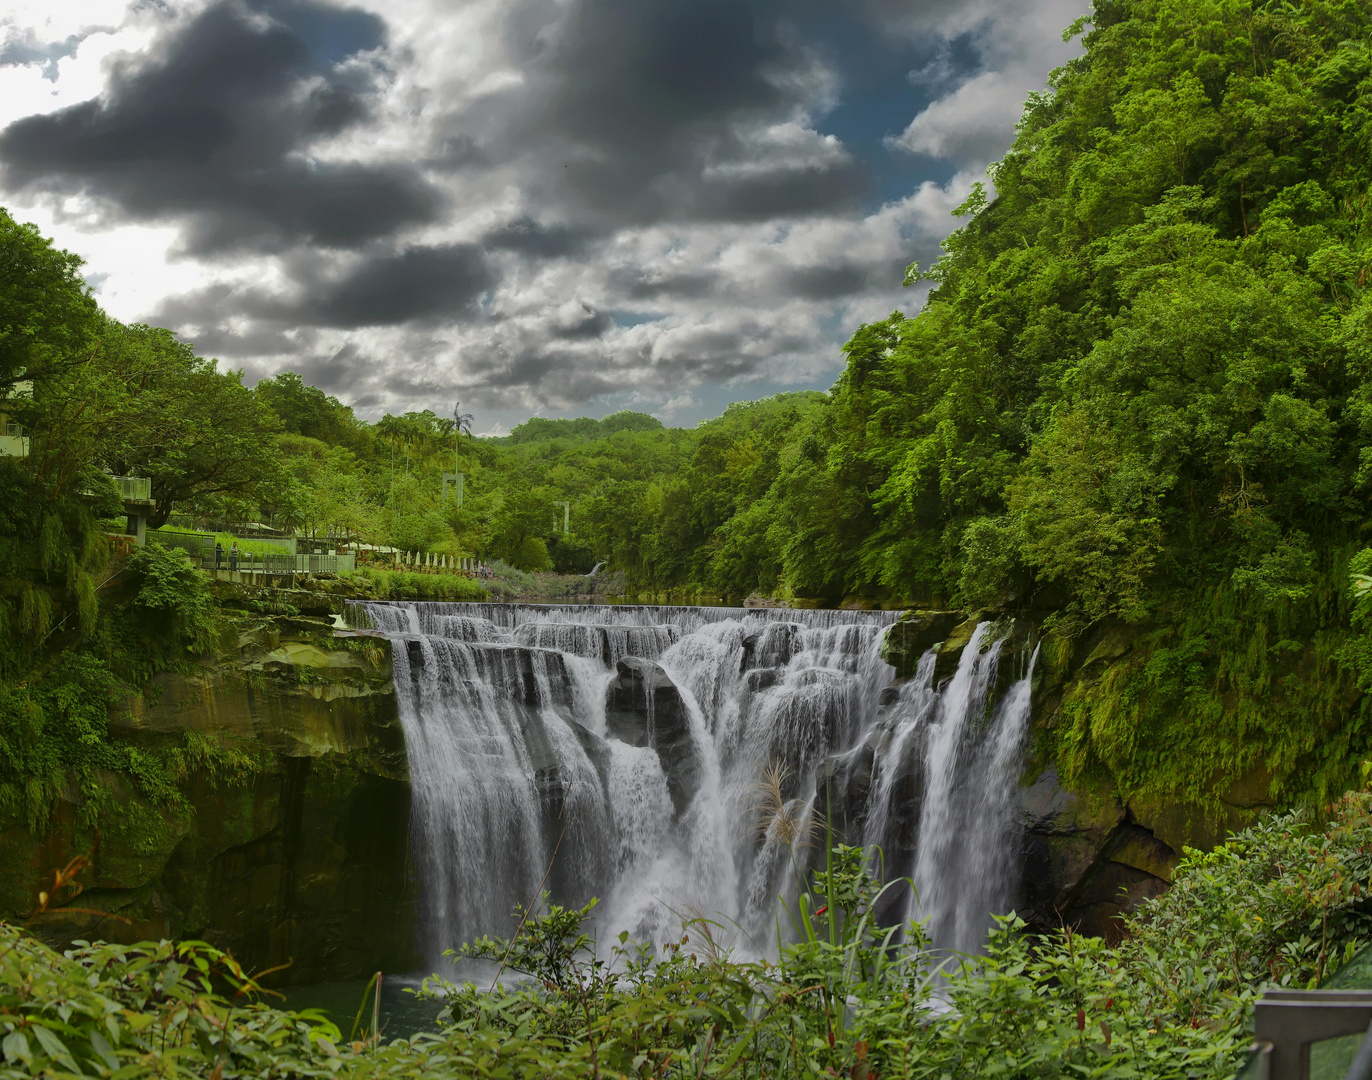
{"type": "Point", "coordinates": [626, 747]}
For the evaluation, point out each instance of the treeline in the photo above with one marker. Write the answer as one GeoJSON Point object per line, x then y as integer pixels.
{"type": "Point", "coordinates": [1137, 396]}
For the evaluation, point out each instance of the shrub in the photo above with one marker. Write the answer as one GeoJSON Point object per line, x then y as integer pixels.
{"type": "Point", "coordinates": [1280, 903]}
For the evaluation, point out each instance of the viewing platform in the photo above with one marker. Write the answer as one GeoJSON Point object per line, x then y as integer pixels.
{"type": "Point", "coordinates": [254, 567]}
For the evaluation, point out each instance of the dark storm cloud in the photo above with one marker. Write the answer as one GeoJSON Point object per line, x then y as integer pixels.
{"type": "Point", "coordinates": [209, 129]}
{"type": "Point", "coordinates": [337, 372]}
{"type": "Point", "coordinates": [592, 324]}
{"type": "Point", "coordinates": [828, 282]}
{"type": "Point", "coordinates": [613, 189]}
{"type": "Point", "coordinates": [508, 376]}
{"type": "Point", "coordinates": [421, 283]}
{"type": "Point", "coordinates": [632, 104]}
{"type": "Point", "coordinates": [836, 188]}
{"type": "Point", "coordinates": [417, 285]}
{"type": "Point", "coordinates": [642, 286]}
{"type": "Point", "coordinates": [528, 237]}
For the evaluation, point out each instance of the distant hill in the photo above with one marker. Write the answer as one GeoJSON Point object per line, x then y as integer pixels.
{"type": "Point", "coordinates": [583, 429]}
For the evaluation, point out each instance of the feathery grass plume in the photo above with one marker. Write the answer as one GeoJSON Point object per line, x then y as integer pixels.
{"type": "Point", "coordinates": [711, 941]}
{"type": "Point", "coordinates": [783, 819]}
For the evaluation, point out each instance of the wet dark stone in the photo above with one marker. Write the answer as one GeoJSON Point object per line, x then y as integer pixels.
{"type": "Point", "coordinates": [524, 686]}
{"type": "Point", "coordinates": [761, 679]}
{"type": "Point", "coordinates": [643, 707]}
{"type": "Point", "coordinates": [771, 647]}
{"type": "Point", "coordinates": [1083, 862]}
{"type": "Point", "coordinates": [913, 634]}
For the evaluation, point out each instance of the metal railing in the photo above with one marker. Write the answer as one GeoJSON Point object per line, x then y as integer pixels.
{"type": "Point", "coordinates": [133, 488]}
{"type": "Point", "coordinates": [130, 488]}
{"type": "Point", "coordinates": [283, 565]}
{"type": "Point", "coordinates": [1288, 1023]}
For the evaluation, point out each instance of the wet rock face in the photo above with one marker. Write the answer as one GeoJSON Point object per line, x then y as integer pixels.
{"type": "Point", "coordinates": [842, 790]}
{"type": "Point", "coordinates": [643, 707]}
{"type": "Point", "coordinates": [760, 679]}
{"type": "Point", "coordinates": [771, 647]}
{"type": "Point", "coordinates": [512, 668]}
{"type": "Point", "coordinates": [305, 858]}
{"type": "Point", "coordinates": [845, 792]}
{"type": "Point", "coordinates": [1085, 861]}
{"type": "Point", "coordinates": [914, 634]}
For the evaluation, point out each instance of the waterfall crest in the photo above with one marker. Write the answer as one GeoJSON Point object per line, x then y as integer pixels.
{"type": "Point", "coordinates": [619, 752]}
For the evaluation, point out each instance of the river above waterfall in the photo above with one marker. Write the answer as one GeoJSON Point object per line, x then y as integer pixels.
{"type": "Point", "coordinates": [677, 762]}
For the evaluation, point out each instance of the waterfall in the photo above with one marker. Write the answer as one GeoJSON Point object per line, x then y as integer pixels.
{"type": "Point", "coordinates": [618, 752]}
{"type": "Point", "coordinates": [971, 766]}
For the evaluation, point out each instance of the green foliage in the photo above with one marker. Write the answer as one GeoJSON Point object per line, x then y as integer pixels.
{"type": "Point", "coordinates": [540, 429]}
{"type": "Point", "coordinates": [306, 410]}
{"type": "Point", "coordinates": [147, 1010]}
{"type": "Point", "coordinates": [1137, 397]}
{"type": "Point", "coordinates": [198, 433]}
{"type": "Point", "coordinates": [1281, 904]}
{"type": "Point", "coordinates": [47, 316]}
{"type": "Point", "coordinates": [1212, 692]}
{"type": "Point", "coordinates": [56, 730]}
{"type": "Point", "coordinates": [405, 584]}
{"type": "Point", "coordinates": [171, 589]}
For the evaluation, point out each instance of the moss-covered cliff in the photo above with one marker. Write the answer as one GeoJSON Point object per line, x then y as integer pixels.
{"type": "Point", "coordinates": [296, 851]}
{"type": "Point", "coordinates": [1131, 761]}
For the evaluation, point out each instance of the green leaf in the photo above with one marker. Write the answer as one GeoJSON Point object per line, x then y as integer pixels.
{"type": "Point", "coordinates": [16, 1047]}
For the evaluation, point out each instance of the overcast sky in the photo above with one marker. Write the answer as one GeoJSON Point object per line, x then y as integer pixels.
{"type": "Point", "coordinates": [541, 207]}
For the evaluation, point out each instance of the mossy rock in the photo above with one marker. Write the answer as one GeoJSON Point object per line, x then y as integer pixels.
{"type": "Point", "coordinates": [914, 634]}
{"type": "Point", "coordinates": [300, 853]}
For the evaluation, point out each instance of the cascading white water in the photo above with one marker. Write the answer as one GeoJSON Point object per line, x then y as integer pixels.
{"type": "Point", "coordinates": [971, 768]}
{"type": "Point", "coordinates": [618, 752]}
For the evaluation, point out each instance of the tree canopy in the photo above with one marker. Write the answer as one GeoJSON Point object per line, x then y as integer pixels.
{"type": "Point", "coordinates": [1136, 396]}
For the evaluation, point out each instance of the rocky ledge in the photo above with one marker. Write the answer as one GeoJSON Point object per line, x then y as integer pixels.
{"type": "Point", "coordinates": [291, 844]}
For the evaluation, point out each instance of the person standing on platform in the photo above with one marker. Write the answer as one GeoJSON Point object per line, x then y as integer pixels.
{"type": "Point", "coordinates": [218, 554]}
{"type": "Point", "coordinates": [233, 557]}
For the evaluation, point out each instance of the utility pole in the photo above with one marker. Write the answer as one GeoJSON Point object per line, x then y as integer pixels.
{"type": "Point", "coordinates": [457, 476]}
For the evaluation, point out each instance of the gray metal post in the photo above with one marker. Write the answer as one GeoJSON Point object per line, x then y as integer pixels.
{"type": "Point", "coordinates": [1361, 1069]}
{"type": "Point", "coordinates": [1287, 1022]}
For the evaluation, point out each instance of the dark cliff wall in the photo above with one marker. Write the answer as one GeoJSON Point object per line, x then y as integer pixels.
{"type": "Point", "coordinates": [299, 857]}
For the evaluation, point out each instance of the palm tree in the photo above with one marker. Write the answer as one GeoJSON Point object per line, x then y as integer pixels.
{"type": "Point", "coordinates": [464, 420]}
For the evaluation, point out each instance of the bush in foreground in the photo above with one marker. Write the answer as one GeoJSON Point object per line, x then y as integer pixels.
{"type": "Point", "coordinates": [1283, 902]}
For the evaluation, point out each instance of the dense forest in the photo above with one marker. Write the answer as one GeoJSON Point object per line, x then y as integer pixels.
{"type": "Point", "coordinates": [1137, 398]}
{"type": "Point", "coordinates": [1137, 394]}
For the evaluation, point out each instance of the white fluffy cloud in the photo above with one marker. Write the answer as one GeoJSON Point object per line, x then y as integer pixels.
{"type": "Point", "coordinates": [971, 123]}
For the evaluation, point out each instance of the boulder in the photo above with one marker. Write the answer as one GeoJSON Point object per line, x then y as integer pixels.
{"type": "Point", "coordinates": [643, 707]}
{"type": "Point", "coordinates": [771, 647]}
{"type": "Point", "coordinates": [1084, 859]}
{"type": "Point", "coordinates": [914, 634]}
{"type": "Point", "coordinates": [760, 679]}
